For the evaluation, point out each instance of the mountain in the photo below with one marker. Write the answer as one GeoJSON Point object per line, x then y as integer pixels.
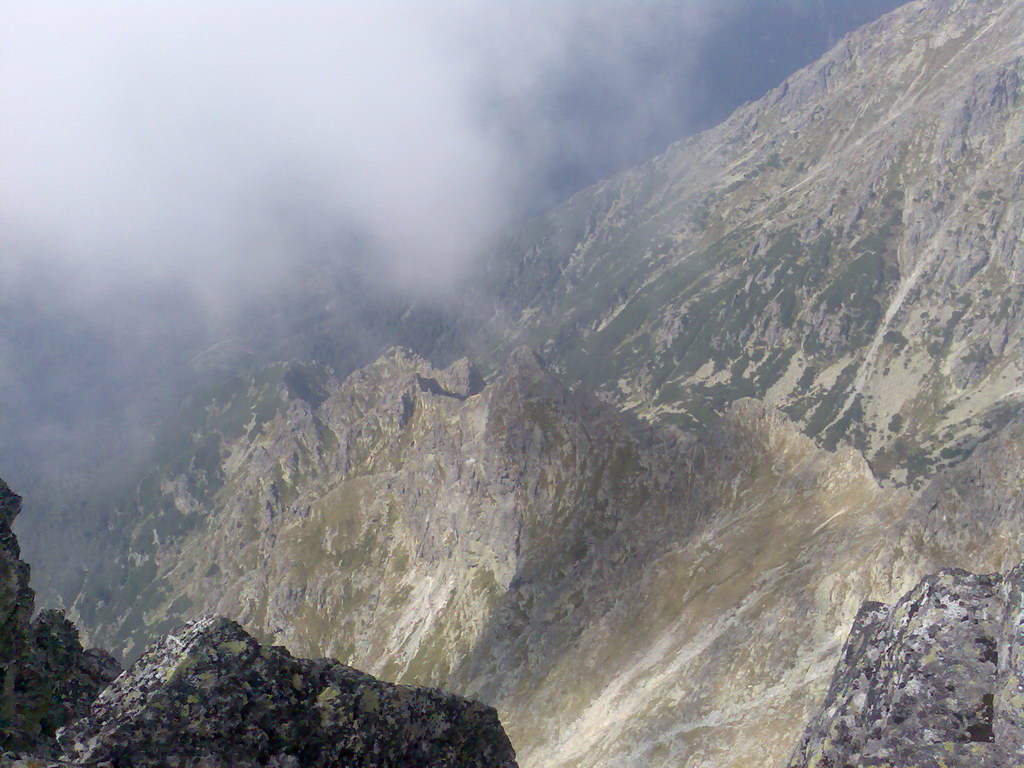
{"type": "Point", "coordinates": [847, 248]}
{"type": "Point", "coordinates": [620, 593]}
{"type": "Point", "coordinates": [779, 374]}
{"type": "Point", "coordinates": [613, 590]}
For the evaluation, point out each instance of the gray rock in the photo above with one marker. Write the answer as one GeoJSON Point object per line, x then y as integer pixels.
{"type": "Point", "coordinates": [211, 695]}
{"type": "Point", "coordinates": [935, 679]}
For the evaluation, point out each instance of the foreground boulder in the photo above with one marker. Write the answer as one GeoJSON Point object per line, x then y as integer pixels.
{"type": "Point", "coordinates": [211, 695]}
{"type": "Point", "coordinates": [935, 680]}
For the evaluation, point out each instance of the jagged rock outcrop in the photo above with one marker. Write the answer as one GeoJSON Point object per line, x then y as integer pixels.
{"type": "Point", "coordinates": [71, 675]}
{"type": "Point", "coordinates": [209, 694]}
{"type": "Point", "coordinates": [46, 678]}
{"type": "Point", "coordinates": [935, 679]}
{"type": "Point", "coordinates": [16, 603]}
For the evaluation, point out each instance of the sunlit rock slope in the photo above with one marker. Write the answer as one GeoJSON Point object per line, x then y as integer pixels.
{"type": "Point", "coordinates": [847, 248]}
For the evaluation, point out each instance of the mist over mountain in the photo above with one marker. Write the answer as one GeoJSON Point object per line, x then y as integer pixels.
{"type": "Point", "coordinates": [176, 178]}
{"type": "Point", "coordinates": [586, 363]}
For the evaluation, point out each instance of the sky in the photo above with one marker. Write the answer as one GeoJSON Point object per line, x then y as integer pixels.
{"type": "Point", "coordinates": [165, 164]}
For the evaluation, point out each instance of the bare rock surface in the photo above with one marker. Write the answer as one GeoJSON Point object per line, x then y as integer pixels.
{"type": "Point", "coordinates": [46, 678]}
{"type": "Point", "coordinates": [211, 695]}
{"type": "Point", "coordinates": [935, 679]}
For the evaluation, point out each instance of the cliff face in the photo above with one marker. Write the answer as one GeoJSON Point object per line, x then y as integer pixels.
{"type": "Point", "coordinates": [847, 248]}
{"type": "Point", "coordinates": [933, 680]}
{"type": "Point", "coordinates": [46, 678]}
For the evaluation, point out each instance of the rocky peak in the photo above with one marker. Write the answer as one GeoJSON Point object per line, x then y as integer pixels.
{"type": "Point", "coordinates": [16, 606]}
{"type": "Point", "coordinates": [460, 380]}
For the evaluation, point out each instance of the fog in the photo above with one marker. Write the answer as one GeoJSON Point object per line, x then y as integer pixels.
{"type": "Point", "coordinates": [165, 168]}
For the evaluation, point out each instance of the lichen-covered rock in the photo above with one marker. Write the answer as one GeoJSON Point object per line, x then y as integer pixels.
{"type": "Point", "coordinates": [71, 676]}
{"type": "Point", "coordinates": [46, 678]}
{"type": "Point", "coordinates": [935, 679]}
{"type": "Point", "coordinates": [11, 760]}
{"type": "Point", "coordinates": [17, 728]}
{"type": "Point", "coordinates": [212, 695]}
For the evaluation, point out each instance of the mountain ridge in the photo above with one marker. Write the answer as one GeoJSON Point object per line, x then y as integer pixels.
{"type": "Point", "coordinates": [364, 542]}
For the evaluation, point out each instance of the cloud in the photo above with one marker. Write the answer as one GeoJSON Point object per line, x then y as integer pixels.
{"type": "Point", "coordinates": [217, 143]}
{"type": "Point", "coordinates": [175, 141]}
{"type": "Point", "coordinates": [203, 142]}
{"type": "Point", "coordinates": [171, 170]}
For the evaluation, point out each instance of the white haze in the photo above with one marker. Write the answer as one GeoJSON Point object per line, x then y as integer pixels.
{"type": "Point", "coordinates": [174, 141]}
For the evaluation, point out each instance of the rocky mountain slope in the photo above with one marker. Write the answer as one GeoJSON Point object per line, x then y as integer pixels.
{"type": "Point", "coordinates": [932, 680]}
{"type": "Point", "coordinates": [621, 594]}
{"type": "Point", "coordinates": [209, 694]}
{"type": "Point", "coordinates": [847, 248]}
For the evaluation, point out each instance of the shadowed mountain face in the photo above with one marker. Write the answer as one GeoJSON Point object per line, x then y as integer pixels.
{"type": "Point", "coordinates": [663, 573]}
{"type": "Point", "coordinates": [848, 248]}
